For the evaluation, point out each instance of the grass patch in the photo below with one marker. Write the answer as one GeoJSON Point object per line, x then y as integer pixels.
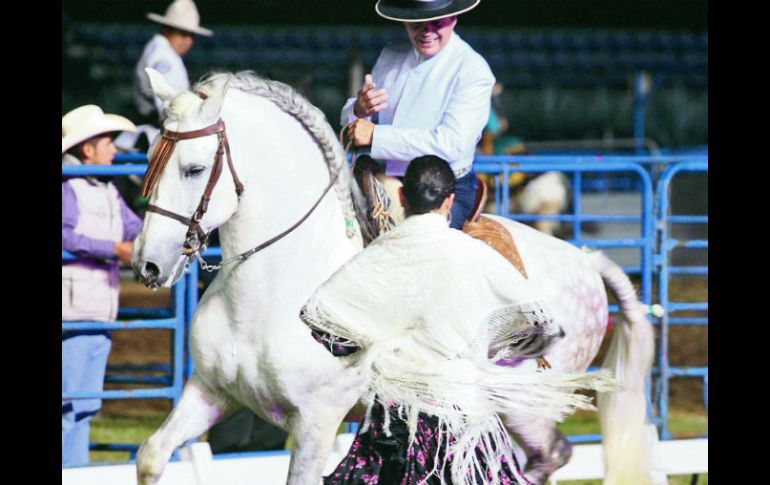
{"type": "Point", "coordinates": [122, 430]}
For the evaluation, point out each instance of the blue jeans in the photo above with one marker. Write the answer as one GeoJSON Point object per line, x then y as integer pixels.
{"type": "Point", "coordinates": [465, 196]}
{"type": "Point", "coordinates": [83, 363]}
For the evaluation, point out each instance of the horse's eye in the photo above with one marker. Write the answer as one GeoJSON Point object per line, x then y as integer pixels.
{"type": "Point", "coordinates": [194, 171]}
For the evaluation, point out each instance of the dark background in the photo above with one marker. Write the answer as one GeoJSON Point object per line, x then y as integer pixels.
{"type": "Point", "coordinates": [686, 14]}
{"type": "Point", "coordinates": [579, 92]}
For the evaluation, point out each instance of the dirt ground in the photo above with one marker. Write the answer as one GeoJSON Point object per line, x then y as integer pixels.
{"type": "Point", "coordinates": [688, 345]}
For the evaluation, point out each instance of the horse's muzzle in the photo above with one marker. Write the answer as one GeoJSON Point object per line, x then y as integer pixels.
{"type": "Point", "coordinates": [149, 274]}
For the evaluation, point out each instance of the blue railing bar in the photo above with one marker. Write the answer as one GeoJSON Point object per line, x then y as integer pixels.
{"type": "Point", "coordinates": [572, 217]}
{"type": "Point", "coordinates": [143, 313]}
{"type": "Point", "coordinates": [191, 303]}
{"type": "Point", "coordinates": [178, 341]}
{"type": "Point", "coordinates": [609, 243]}
{"type": "Point", "coordinates": [114, 379]}
{"type": "Point", "coordinates": [251, 454]}
{"type": "Point", "coordinates": [607, 162]}
{"type": "Point", "coordinates": [538, 167]}
{"type": "Point", "coordinates": [104, 170]}
{"type": "Point", "coordinates": [160, 392]}
{"type": "Point", "coordinates": [689, 270]}
{"type": "Point", "coordinates": [130, 157]}
{"type": "Point", "coordinates": [577, 159]}
{"type": "Point", "coordinates": [68, 256]}
{"type": "Point", "coordinates": [684, 219]}
{"type": "Point", "coordinates": [631, 269]}
{"type": "Point", "coordinates": [684, 306]}
{"type": "Point", "coordinates": [702, 321]}
{"type": "Point", "coordinates": [577, 203]}
{"type": "Point", "coordinates": [212, 251]}
{"type": "Point", "coordinates": [671, 244]}
{"type": "Point", "coordinates": [688, 371]}
{"type": "Point", "coordinates": [167, 323]}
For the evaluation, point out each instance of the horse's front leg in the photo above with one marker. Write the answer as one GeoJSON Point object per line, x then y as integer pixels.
{"type": "Point", "coordinates": [312, 442]}
{"type": "Point", "coordinates": [198, 409]}
{"type": "Point", "coordinates": [314, 425]}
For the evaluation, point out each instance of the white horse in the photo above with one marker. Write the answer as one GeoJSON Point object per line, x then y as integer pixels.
{"type": "Point", "coordinates": [248, 343]}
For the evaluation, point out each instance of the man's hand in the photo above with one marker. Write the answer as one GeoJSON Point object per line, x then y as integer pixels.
{"type": "Point", "coordinates": [123, 251]}
{"type": "Point", "coordinates": [360, 132]}
{"type": "Point", "coordinates": [369, 99]}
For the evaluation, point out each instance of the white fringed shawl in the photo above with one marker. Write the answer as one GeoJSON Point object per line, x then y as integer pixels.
{"type": "Point", "coordinates": [425, 303]}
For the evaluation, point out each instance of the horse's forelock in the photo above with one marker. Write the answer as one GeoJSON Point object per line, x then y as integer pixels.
{"type": "Point", "coordinates": [182, 105]}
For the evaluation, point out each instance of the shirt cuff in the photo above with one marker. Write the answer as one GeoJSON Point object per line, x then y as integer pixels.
{"type": "Point", "coordinates": [385, 143]}
{"type": "Point", "coordinates": [348, 115]}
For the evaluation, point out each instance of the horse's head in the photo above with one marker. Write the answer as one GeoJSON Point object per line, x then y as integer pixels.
{"type": "Point", "coordinates": [189, 182]}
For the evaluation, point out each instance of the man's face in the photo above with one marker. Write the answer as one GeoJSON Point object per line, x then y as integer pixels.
{"type": "Point", "coordinates": [99, 151]}
{"type": "Point", "coordinates": [432, 36]}
{"type": "Point", "coordinates": [180, 41]}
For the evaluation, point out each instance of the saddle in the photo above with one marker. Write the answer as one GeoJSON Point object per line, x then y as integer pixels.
{"type": "Point", "coordinates": [482, 228]}
{"type": "Point", "coordinates": [492, 232]}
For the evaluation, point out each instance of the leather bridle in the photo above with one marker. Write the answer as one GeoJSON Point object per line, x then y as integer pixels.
{"type": "Point", "coordinates": [196, 239]}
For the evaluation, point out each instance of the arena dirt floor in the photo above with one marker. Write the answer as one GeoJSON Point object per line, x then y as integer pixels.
{"type": "Point", "coordinates": [688, 346]}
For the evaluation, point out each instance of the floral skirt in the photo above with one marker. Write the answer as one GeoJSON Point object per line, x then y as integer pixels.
{"type": "Point", "coordinates": [376, 458]}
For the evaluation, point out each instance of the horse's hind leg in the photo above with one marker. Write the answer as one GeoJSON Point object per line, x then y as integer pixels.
{"type": "Point", "coordinates": [197, 410]}
{"type": "Point", "coordinates": [546, 447]}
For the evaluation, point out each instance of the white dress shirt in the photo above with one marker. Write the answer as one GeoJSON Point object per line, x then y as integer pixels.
{"type": "Point", "coordinates": [159, 55]}
{"type": "Point", "coordinates": [436, 106]}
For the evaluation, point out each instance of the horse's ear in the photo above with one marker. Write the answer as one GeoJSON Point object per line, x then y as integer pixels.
{"type": "Point", "coordinates": [212, 104]}
{"type": "Point", "coordinates": [160, 87]}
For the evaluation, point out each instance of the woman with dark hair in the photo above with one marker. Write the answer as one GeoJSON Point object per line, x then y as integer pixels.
{"type": "Point", "coordinates": [425, 312]}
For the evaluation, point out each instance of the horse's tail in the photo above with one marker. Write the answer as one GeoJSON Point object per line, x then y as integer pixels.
{"type": "Point", "coordinates": [627, 441]}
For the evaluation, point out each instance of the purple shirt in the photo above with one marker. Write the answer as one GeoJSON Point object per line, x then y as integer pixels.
{"type": "Point", "coordinates": [85, 246]}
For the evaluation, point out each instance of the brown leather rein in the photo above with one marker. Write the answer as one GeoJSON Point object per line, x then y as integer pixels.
{"type": "Point", "coordinates": [196, 239]}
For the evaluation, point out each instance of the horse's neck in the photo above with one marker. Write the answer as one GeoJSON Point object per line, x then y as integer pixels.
{"type": "Point", "coordinates": [285, 176]}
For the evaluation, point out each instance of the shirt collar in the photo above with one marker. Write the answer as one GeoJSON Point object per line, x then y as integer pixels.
{"type": "Point", "coordinates": [162, 39]}
{"type": "Point", "coordinates": [68, 159]}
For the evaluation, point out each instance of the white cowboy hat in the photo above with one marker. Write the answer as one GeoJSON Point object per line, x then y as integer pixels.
{"type": "Point", "coordinates": [422, 10]}
{"type": "Point", "coordinates": [87, 121]}
{"type": "Point", "coordinates": [182, 15]}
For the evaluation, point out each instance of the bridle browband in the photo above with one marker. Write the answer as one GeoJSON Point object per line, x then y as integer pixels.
{"type": "Point", "coordinates": [196, 239]}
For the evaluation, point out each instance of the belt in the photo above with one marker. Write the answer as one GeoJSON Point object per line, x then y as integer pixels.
{"type": "Point", "coordinates": [462, 172]}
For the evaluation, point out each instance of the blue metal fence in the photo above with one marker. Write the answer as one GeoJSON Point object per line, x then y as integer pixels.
{"type": "Point", "coordinates": [666, 270]}
{"type": "Point", "coordinates": [653, 256]}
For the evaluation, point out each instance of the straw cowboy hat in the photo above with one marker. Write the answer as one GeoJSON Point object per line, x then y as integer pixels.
{"type": "Point", "coordinates": [182, 15]}
{"type": "Point", "coordinates": [87, 121]}
{"type": "Point", "coordinates": [422, 10]}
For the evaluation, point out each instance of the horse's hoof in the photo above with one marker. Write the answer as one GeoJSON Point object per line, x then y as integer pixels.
{"type": "Point", "coordinates": [149, 464]}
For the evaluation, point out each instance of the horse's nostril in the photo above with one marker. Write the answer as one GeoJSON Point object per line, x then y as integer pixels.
{"type": "Point", "coordinates": [151, 271]}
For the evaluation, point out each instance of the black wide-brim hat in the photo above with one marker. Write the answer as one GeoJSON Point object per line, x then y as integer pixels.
{"type": "Point", "coordinates": [422, 10]}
